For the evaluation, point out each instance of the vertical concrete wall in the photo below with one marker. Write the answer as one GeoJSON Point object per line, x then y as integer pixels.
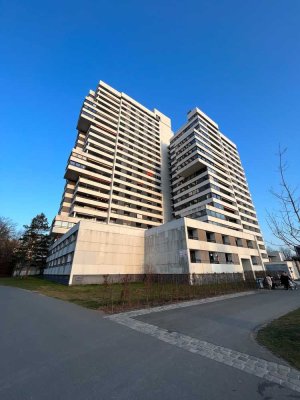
{"type": "Point", "coordinates": [165, 137]}
{"type": "Point", "coordinates": [166, 249]}
{"type": "Point", "coordinates": [103, 249]}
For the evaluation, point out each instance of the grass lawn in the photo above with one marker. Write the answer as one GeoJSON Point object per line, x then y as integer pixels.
{"type": "Point", "coordinates": [124, 296]}
{"type": "Point", "coordinates": [282, 337]}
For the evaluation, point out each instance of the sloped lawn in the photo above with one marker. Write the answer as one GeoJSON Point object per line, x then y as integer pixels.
{"type": "Point", "coordinates": [115, 297]}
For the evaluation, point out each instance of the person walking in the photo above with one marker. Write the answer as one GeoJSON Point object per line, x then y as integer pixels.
{"type": "Point", "coordinates": [269, 282]}
{"type": "Point", "coordinates": [274, 281]}
{"type": "Point", "coordinates": [284, 278]}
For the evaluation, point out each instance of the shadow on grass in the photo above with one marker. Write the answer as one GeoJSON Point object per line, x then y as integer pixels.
{"type": "Point", "coordinates": [282, 337]}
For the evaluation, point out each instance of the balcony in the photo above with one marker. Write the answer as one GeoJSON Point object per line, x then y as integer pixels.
{"type": "Point", "coordinates": [84, 121]}
{"type": "Point", "coordinates": [72, 172]}
{"type": "Point", "coordinates": [191, 167]}
{"type": "Point", "coordinates": [101, 203]}
{"type": "Point", "coordinates": [76, 169]}
{"type": "Point", "coordinates": [89, 211]}
{"type": "Point", "coordinates": [90, 193]}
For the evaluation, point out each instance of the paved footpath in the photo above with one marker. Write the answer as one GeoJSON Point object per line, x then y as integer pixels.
{"type": "Point", "coordinates": [51, 349]}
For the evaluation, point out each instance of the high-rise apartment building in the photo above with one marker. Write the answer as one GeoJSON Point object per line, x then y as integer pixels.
{"type": "Point", "coordinates": [208, 180]}
{"type": "Point", "coordinates": [138, 199]}
{"type": "Point", "coordinates": [117, 172]}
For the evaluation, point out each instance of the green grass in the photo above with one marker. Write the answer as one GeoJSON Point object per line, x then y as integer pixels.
{"type": "Point", "coordinates": [124, 296]}
{"type": "Point", "coordinates": [282, 337]}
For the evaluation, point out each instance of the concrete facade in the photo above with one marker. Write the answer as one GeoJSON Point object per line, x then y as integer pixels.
{"type": "Point", "coordinates": [138, 199]}
{"type": "Point", "coordinates": [276, 256]}
{"type": "Point", "coordinates": [166, 249]}
{"type": "Point", "coordinates": [189, 246]}
{"type": "Point", "coordinates": [117, 172]}
{"type": "Point", "coordinates": [91, 252]}
{"type": "Point", "coordinates": [208, 180]}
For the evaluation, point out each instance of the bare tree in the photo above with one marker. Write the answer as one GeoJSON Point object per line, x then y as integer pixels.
{"type": "Point", "coordinates": [270, 249]}
{"type": "Point", "coordinates": [285, 224]}
{"type": "Point", "coordinates": [287, 252]}
{"type": "Point", "coordinates": [8, 245]}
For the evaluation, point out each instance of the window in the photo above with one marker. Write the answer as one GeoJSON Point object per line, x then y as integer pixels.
{"type": "Point", "coordinates": [73, 237]}
{"type": "Point", "coordinates": [239, 242]}
{"type": "Point", "coordinates": [210, 237]}
{"type": "Point", "coordinates": [255, 260]}
{"type": "Point", "coordinates": [250, 244]}
{"type": "Point", "coordinates": [225, 239]}
{"type": "Point", "coordinates": [192, 233]}
{"type": "Point", "coordinates": [228, 258]}
{"type": "Point", "coordinates": [214, 258]}
{"type": "Point", "coordinates": [195, 256]}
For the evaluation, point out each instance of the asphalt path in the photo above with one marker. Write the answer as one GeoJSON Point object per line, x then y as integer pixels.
{"type": "Point", "coordinates": [230, 323]}
{"type": "Point", "coordinates": [50, 349]}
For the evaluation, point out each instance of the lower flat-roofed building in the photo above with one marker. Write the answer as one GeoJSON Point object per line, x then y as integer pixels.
{"type": "Point", "coordinates": [291, 267]}
{"type": "Point", "coordinates": [92, 252]}
{"type": "Point", "coordinates": [278, 264]}
{"type": "Point", "coordinates": [195, 247]}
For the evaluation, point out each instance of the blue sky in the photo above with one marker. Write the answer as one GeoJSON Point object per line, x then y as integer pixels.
{"type": "Point", "coordinates": [237, 61]}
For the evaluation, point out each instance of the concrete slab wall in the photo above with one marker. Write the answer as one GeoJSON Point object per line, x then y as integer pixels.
{"type": "Point", "coordinates": [166, 249]}
{"type": "Point", "coordinates": [103, 249]}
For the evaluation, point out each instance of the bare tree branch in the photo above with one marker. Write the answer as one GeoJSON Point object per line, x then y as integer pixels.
{"type": "Point", "coordinates": [285, 224]}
